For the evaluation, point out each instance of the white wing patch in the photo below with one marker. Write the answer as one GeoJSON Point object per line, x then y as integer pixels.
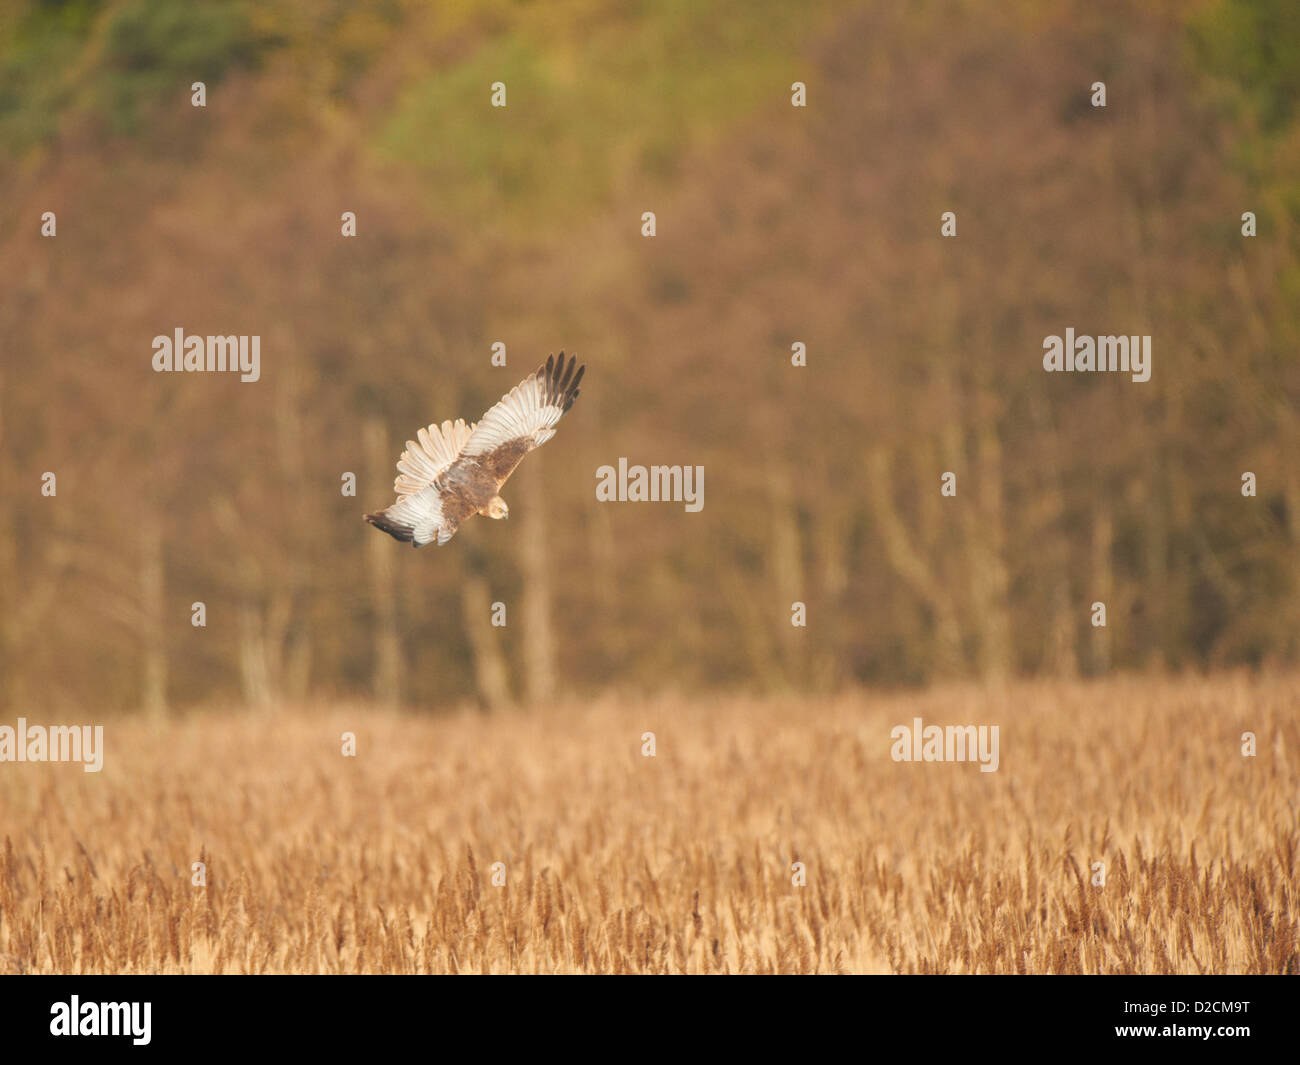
{"type": "Point", "coordinates": [421, 514]}
{"type": "Point", "coordinates": [525, 410]}
{"type": "Point", "coordinates": [424, 460]}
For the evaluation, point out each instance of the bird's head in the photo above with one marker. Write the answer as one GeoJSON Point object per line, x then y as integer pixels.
{"type": "Point", "coordinates": [497, 508]}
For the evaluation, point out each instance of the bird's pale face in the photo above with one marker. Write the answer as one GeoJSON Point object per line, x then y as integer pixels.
{"type": "Point", "coordinates": [497, 508]}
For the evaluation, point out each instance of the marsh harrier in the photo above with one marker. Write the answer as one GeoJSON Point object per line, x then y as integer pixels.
{"type": "Point", "coordinates": [455, 471]}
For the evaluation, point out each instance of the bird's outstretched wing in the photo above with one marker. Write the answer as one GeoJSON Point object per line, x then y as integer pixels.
{"type": "Point", "coordinates": [425, 459]}
{"type": "Point", "coordinates": [524, 418]}
{"type": "Point", "coordinates": [418, 516]}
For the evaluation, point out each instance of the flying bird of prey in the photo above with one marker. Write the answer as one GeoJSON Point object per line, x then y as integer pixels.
{"type": "Point", "coordinates": [455, 471]}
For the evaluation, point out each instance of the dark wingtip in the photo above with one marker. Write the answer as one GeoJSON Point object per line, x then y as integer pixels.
{"type": "Point", "coordinates": [561, 378]}
{"type": "Point", "coordinates": [381, 521]}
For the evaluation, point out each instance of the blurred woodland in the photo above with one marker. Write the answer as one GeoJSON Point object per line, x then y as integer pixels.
{"type": "Point", "coordinates": [775, 225]}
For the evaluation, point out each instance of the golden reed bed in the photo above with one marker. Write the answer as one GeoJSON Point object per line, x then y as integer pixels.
{"type": "Point", "coordinates": [615, 862]}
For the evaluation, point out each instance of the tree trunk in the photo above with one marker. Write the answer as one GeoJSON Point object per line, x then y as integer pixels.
{"type": "Point", "coordinates": [786, 573]}
{"type": "Point", "coordinates": [831, 533]}
{"type": "Point", "coordinates": [386, 681]}
{"type": "Point", "coordinates": [151, 610]}
{"type": "Point", "coordinates": [1103, 586]}
{"type": "Point", "coordinates": [535, 562]}
{"type": "Point", "coordinates": [912, 567]}
{"type": "Point", "coordinates": [989, 578]}
{"type": "Point", "coordinates": [8, 573]}
{"type": "Point", "coordinates": [490, 674]}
